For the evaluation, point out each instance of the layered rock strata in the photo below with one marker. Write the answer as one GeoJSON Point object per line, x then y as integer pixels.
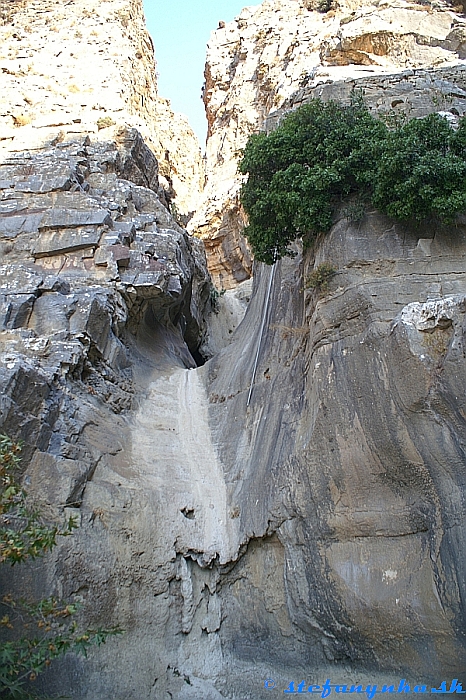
{"type": "Point", "coordinates": [256, 63]}
{"type": "Point", "coordinates": [89, 253]}
{"type": "Point", "coordinates": [413, 93]}
{"type": "Point", "coordinates": [82, 67]}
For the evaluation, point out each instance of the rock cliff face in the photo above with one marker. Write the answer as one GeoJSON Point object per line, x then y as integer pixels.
{"type": "Point", "coordinates": [81, 67]}
{"type": "Point", "coordinates": [257, 62]}
{"type": "Point", "coordinates": [101, 292]}
{"type": "Point", "coordinates": [347, 462]}
{"type": "Point", "coordinates": [88, 250]}
{"type": "Point", "coordinates": [291, 509]}
{"type": "Point", "coordinates": [300, 519]}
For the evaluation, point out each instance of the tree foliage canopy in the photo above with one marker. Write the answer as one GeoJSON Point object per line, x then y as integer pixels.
{"type": "Point", "coordinates": [324, 152]}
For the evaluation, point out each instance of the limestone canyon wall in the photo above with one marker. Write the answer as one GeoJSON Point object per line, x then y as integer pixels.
{"type": "Point", "coordinates": [256, 64]}
{"type": "Point", "coordinates": [69, 68]}
{"type": "Point", "coordinates": [345, 466]}
{"type": "Point", "coordinates": [294, 507]}
{"type": "Point", "coordinates": [102, 294]}
{"type": "Point", "coordinates": [312, 528]}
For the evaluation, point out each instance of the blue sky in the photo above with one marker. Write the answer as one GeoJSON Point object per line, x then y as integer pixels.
{"type": "Point", "coordinates": [180, 30]}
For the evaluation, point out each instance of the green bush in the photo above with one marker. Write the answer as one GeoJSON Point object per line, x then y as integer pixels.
{"type": "Point", "coordinates": [40, 631]}
{"type": "Point", "coordinates": [324, 152]}
{"type": "Point", "coordinates": [422, 171]}
{"type": "Point", "coordinates": [320, 277]}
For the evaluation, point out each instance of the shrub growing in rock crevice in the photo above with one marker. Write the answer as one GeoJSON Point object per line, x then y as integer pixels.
{"type": "Point", "coordinates": [324, 152]}
{"type": "Point", "coordinates": [320, 277]}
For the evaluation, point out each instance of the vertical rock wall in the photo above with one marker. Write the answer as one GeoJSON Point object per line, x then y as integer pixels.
{"type": "Point", "coordinates": [300, 520]}
{"type": "Point", "coordinates": [348, 463]}
{"type": "Point", "coordinates": [103, 306]}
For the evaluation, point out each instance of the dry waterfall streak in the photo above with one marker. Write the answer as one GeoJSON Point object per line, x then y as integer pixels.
{"type": "Point", "coordinates": [173, 450]}
{"type": "Point", "coordinates": [206, 471]}
{"type": "Point", "coordinates": [261, 332]}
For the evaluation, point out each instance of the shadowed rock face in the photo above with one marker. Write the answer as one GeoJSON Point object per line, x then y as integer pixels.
{"type": "Point", "coordinates": [91, 262]}
{"type": "Point", "coordinates": [352, 452]}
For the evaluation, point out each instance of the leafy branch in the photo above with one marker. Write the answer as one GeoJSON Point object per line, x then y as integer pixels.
{"type": "Point", "coordinates": [325, 152]}
{"type": "Point", "coordinates": [40, 631]}
{"type": "Point", "coordinates": [23, 534]}
{"type": "Point", "coordinates": [51, 634]}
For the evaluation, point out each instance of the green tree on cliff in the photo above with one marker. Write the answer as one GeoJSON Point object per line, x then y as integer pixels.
{"type": "Point", "coordinates": [324, 152]}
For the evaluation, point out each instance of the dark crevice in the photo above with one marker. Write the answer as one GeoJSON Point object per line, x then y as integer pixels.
{"type": "Point", "coordinates": [198, 358]}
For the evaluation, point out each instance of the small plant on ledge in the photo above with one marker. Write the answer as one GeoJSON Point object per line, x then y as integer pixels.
{"type": "Point", "coordinates": [320, 277]}
{"type": "Point", "coordinates": [325, 6]}
{"type": "Point", "coordinates": [104, 122]}
{"type": "Point", "coordinates": [215, 296]}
